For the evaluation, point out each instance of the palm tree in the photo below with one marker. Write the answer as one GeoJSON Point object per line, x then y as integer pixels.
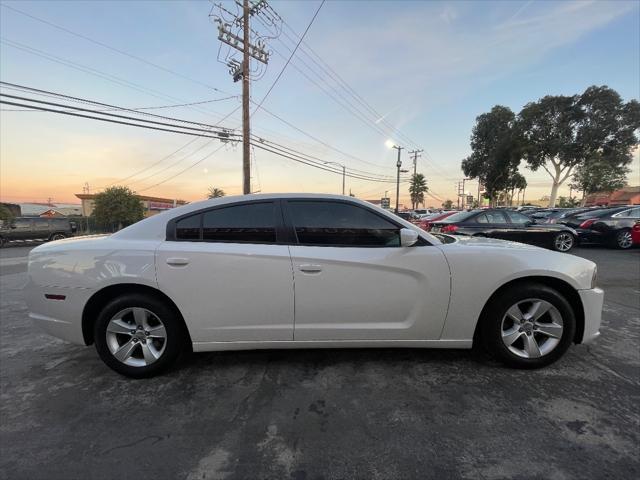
{"type": "Point", "coordinates": [215, 192]}
{"type": "Point", "coordinates": [417, 189]}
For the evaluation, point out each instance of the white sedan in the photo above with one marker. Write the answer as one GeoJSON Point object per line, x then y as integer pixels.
{"type": "Point", "coordinates": [305, 271]}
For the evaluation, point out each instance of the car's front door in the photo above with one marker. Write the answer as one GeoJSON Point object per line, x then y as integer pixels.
{"type": "Point", "coordinates": [353, 280]}
{"type": "Point", "coordinates": [228, 275]}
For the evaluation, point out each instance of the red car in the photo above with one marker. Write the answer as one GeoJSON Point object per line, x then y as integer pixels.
{"type": "Point", "coordinates": [635, 233]}
{"type": "Point", "coordinates": [425, 224]}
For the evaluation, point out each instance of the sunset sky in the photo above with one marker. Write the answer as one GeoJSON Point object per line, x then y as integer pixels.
{"type": "Point", "coordinates": [429, 68]}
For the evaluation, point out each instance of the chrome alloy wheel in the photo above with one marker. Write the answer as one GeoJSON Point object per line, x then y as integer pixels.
{"type": "Point", "coordinates": [136, 337]}
{"type": "Point", "coordinates": [532, 328]}
{"type": "Point", "coordinates": [563, 242]}
{"type": "Point", "coordinates": [58, 236]}
{"type": "Point", "coordinates": [624, 239]}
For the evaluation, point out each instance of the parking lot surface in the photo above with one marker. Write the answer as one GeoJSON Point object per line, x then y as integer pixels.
{"type": "Point", "coordinates": [323, 414]}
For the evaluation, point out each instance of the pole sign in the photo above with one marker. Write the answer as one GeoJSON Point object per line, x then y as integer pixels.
{"type": "Point", "coordinates": [385, 202]}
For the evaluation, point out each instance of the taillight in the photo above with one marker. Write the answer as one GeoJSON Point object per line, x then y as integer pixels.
{"type": "Point", "coordinates": [636, 227]}
{"type": "Point", "coordinates": [449, 228]}
{"type": "Point", "coordinates": [587, 223]}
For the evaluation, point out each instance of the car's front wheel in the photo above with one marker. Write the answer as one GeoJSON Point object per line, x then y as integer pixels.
{"type": "Point", "coordinates": [563, 241]}
{"type": "Point", "coordinates": [528, 326]}
{"type": "Point", "coordinates": [57, 236]}
{"type": "Point", "coordinates": [138, 335]}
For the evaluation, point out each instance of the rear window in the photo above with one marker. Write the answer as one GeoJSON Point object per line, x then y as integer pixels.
{"type": "Point", "coordinates": [459, 217]}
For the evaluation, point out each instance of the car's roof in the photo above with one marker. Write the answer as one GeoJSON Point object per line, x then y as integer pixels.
{"type": "Point", "coordinates": [155, 226]}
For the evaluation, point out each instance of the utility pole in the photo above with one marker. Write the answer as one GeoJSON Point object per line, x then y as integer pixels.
{"type": "Point", "coordinates": [479, 187]}
{"type": "Point", "coordinates": [398, 165]}
{"type": "Point", "coordinates": [246, 128]}
{"type": "Point", "coordinates": [344, 172]}
{"type": "Point", "coordinates": [241, 70]}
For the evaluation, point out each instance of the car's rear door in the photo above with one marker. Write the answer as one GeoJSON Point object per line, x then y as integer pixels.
{"type": "Point", "coordinates": [229, 274]}
{"type": "Point", "coordinates": [492, 224]}
{"type": "Point", "coordinates": [353, 280]}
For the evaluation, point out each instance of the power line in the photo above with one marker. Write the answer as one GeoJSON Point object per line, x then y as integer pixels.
{"type": "Point", "coordinates": [109, 47]}
{"type": "Point", "coordinates": [92, 71]}
{"type": "Point", "coordinates": [290, 57]}
{"type": "Point", "coordinates": [273, 147]}
{"type": "Point", "coordinates": [47, 93]}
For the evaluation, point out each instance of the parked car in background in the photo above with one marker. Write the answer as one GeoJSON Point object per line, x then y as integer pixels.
{"type": "Point", "coordinates": [220, 275]}
{"type": "Point", "coordinates": [426, 222]}
{"type": "Point", "coordinates": [635, 233]}
{"type": "Point", "coordinates": [409, 216]}
{"type": "Point", "coordinates": [613, 227]}
{"type": "Point", "coordinates": [560, 214]}
{"type": "Point", "coordinates": [574, 220]}
{"type": "Point", "coordinates": [507, 225]}
{"type": "Point", "coordinates": [423, 212]}
{"type": "Point", "coordinates": [541, 216]}
{"type": "Point", "coordinates": [35, 228]}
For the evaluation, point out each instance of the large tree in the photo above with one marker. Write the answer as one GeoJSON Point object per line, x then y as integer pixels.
{"type": "Point", "coordinates": [117, 207]}
{"type": "Point", "coordinates": [599, 175]}
{"type": "Point", "coordinates": [496, 150]}
{"type": "Point", "coordinates": [561, 132]}
{"type": "Point", "coordinates": [417, 189]}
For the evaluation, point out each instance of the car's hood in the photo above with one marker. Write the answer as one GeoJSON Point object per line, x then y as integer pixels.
{"type": "Point", "coordinates": [492, 242]}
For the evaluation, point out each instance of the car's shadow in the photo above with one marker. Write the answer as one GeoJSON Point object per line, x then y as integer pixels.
{"type": "Point", "coordinates": [326, 358]}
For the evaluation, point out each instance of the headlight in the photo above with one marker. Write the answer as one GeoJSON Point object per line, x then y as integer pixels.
{"type": "Point", "coordinates": [595, 277]}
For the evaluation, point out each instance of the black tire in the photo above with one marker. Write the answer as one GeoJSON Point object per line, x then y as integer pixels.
{"type": "Point", "coordinates": [623, 240]}
{"type": "Point", "coordinates": [563, 241]}
{"type": "Point", "coordinates": [176, 335]}
{"type": "Point", "coordinates": [490, 333]}
{"type": "Point", "coordinates": [57, 236]}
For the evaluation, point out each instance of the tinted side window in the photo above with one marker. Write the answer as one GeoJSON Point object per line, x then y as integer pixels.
{"type": "Point", "coordinates": [341, 224]}
{"type": "Point", "coordinates": [495, 217]}
{"type": "Point", "coordinates": [189, 228]}
{"type": "Point", "coordinates": [251, 223]}
{"type": "Point", "coordinates": [516, 217]}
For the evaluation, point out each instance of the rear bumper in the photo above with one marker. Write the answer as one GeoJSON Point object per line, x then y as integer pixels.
{"type": "Point", "coordinates": [592, 301]}
{"type": "Point", "coordinates": [59, 318]}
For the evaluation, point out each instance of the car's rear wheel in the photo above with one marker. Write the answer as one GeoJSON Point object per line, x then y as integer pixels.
{"type": "Point", "coordinates": [623, 239]}
{"type": "Point", "coordinates": [138, 335]}
{"type": "Point", "coordinates": [528, 326]}
{"type": "Point", "coordinates": [563, 241]}
{"type": "Point", "coordinates": [57, 236]}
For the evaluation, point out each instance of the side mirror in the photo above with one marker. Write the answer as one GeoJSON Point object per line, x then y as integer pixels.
{"type": "Point", "coordinates": [408, 237]}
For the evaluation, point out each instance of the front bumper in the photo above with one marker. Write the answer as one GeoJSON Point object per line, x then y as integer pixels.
{"type": "Point", "coordinates": [592, 301]}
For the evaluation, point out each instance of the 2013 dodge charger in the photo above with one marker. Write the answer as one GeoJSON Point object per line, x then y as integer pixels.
{"type": "Point", "coordinates": [305, 271]}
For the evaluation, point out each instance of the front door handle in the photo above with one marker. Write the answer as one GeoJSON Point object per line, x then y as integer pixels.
{"type": "Point", "coordinates": [310, 268]}
{"type": "Point", "coordinates": [177, 262]}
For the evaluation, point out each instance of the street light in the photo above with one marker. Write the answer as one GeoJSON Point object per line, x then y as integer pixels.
{"type": "Point", "coordinates": [391, 144]}
{"type": "Point", "coordinates": [343, 171]}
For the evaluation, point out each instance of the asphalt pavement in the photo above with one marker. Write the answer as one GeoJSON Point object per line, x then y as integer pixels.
{"type": "Point", "coordinates": [323, 414]}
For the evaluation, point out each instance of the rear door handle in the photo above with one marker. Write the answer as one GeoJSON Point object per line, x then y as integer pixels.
{"type": "Point", "coordinates": [177, 262]}
{"type": "Point", "coordinates": [310, 268]}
